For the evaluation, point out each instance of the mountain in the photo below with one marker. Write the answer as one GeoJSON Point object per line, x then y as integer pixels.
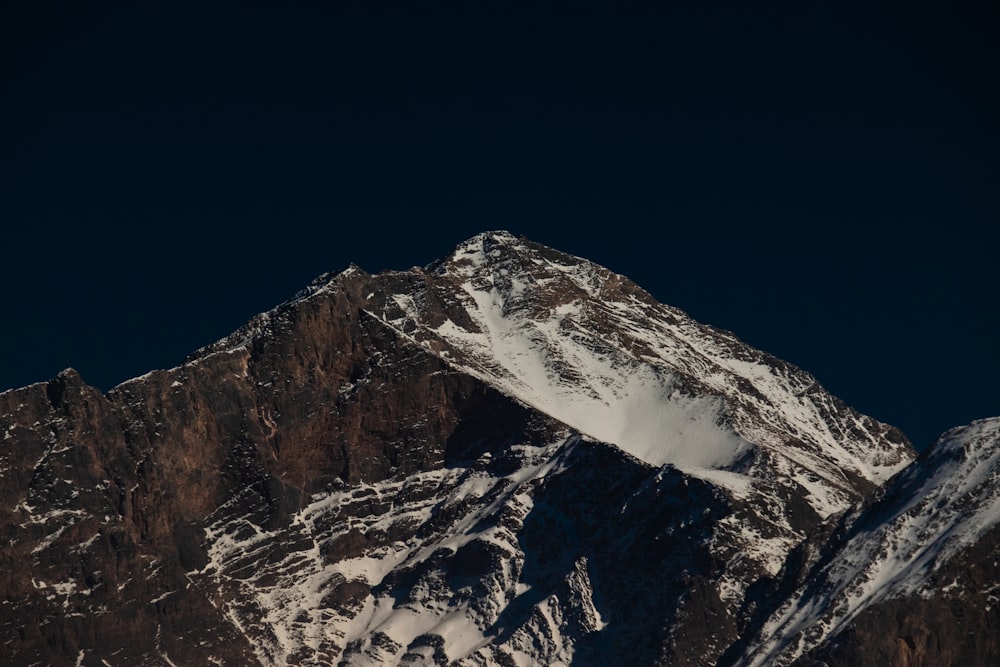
{"type": "Point", "coordinates": [512, 456]}
{"type": "Point", "coordinates": [912, 578]}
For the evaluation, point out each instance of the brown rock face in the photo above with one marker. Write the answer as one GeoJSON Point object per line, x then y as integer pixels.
{"type": "Point", "coordinates": [98, 536]}
{"type": "Point", "coordinates": [106, 498]}
{"type": "Point", "coordinates": [917, 633]}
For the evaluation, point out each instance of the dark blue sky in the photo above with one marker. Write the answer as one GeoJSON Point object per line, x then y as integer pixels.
{"type": "Point", "coordinates": [822, 182]}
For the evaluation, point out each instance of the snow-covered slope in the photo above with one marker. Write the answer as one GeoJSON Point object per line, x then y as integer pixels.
{"type": "Point", "coordinates": [923, 519]}
{"type": "Point", "coordinates": [402, 582]}
{"type": "Point", "coordinates": [592, 349]}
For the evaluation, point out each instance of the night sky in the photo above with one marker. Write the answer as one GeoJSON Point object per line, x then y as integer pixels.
{"type": "Point", "coordinates": [818, 179]}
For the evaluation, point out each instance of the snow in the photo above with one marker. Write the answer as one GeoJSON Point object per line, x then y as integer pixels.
{"type": "Point", "coordinates": [83, 546]}
{"type": "Point", "coordinates": [461, 634]}
{"type": "Point", "coordinates": [769, 552]}
{"type": "Point", "coordinates": [50, 539]}
{"type": "Point", "coordinates": [636, 409]}
{"type": "Point", "coordinates": [161, 598]}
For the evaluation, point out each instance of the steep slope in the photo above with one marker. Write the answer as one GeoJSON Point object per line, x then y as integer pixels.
{"type": "Point", "coordinates": [913, 580]}
{"type": "Point", "coordinates": [513, 456]}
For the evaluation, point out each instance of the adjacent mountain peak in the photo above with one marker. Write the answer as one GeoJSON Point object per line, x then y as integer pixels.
{"type": "Point", "coordinates": [908, 547]}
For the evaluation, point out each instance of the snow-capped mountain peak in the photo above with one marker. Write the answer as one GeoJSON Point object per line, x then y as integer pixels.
{"type": "Point", "coordinates": [592, 349]}
{"type": "Point", "coordinates": [512, 456]}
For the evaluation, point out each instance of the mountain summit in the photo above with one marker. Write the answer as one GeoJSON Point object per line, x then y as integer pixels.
{"type": "Point", "coordinates": [512, 456]}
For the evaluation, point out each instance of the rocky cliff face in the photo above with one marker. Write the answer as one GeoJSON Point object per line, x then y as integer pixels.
{"type": "Point", "coordinates": [511, 457]}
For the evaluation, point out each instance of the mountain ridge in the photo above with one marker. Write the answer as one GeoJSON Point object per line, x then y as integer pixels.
{"type": "Point", "coordinates": [417, 467]}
